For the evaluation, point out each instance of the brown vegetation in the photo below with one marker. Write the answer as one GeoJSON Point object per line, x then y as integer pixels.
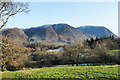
{"type": "Point", "coordinates": [35, 55]}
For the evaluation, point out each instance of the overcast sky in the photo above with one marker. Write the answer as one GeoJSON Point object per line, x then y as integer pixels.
{"type": "Point", "coordinates": [73, 13]}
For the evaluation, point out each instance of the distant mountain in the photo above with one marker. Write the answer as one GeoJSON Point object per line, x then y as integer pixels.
{"type": "Point", "coordinates": [15, 34]}
{"type": "Point", "coordinates": [98, 31]}
{"type": "Point", "coordinates": [55, 33]}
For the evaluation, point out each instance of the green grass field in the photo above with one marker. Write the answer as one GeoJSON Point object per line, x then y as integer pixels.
{"type": "Point", "coordinates": [114, 52]}
{"type": "Point", "coordinates": [83, 72]}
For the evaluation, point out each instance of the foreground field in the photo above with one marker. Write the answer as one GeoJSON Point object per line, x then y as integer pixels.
{"type": "Point", "coordinates": [83, 72]}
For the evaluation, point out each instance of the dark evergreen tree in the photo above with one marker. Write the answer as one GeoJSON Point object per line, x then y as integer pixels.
{"type": "Point", "coordinates": [91, 41]}
{"type": "Point", "coordinates": [87, 40]}
{"type": "Point", "coordinates": [112, 37]}
{"type": "Point", "coordinates": [96, 38]}
{"type": "Point", "coordinates": [104, 37]}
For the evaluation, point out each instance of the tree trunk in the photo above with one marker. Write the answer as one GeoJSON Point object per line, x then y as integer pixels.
{"type": "Point", "coordinates": [77, 64]}
{"type": "Point", "coordinates": [72, 64]}
{"type": "Point", "coordinates": [77, 60]}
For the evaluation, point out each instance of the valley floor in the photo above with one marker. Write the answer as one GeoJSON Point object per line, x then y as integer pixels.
{"type": "Point", "coordinates": [82, 72]}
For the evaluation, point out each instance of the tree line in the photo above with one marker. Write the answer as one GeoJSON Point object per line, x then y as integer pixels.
{"type": "Point", "coordinates": [35, 55]}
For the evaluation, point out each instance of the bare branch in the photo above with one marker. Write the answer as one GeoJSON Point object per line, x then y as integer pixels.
{"type": "Point", "coordinates": [9, 9]}
{"type": "Point", "coordinates": [5, 22]}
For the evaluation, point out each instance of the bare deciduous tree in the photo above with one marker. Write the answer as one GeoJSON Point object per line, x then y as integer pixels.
{"type": "Point", "coordinates": [9, 8]}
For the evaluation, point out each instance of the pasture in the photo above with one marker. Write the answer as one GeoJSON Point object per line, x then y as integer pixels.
{"type": "Point", "coordinates": [81, 72]}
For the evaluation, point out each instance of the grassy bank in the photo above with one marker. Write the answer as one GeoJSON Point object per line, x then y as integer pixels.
{"type": "Point", "coordinates": [93, 72]}
{"type": "Point", "coordinates": [114, 52]}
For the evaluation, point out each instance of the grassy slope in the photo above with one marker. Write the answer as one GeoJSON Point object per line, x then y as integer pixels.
{"type": "Point", "coordinates": [66, 72]}
{"type": "Point", "coordinates": [113, 52]}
